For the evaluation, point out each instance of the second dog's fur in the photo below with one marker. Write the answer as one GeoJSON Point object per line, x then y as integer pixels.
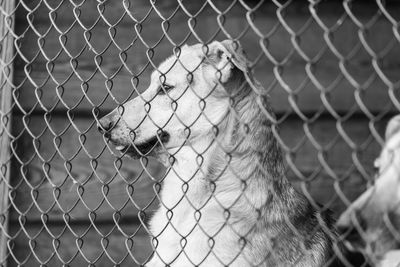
{"type": "Point", "coordinates": [376, 212]}
{"type": "Point", "coordinates": [225, 199]}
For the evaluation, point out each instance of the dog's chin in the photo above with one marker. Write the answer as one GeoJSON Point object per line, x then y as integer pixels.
{"type": "Point", "coordinates": [148, 148]}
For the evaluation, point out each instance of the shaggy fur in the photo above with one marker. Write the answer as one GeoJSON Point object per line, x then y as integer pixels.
{"type": "Point", "coordinates": [375, 214]}
{"type": "Point", "coordinates": [225, 199]}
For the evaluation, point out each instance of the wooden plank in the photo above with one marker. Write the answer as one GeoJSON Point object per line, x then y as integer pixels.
{"type": "Point", "coordinates": [101, 63]}
{"type": "Point", "coordinates": [308, 100]}
{"type": "Point", "coordinates": [112, 11]}
{"type": "Point", "coordinates": [7, 23]}
{"type": "Point", "coordinates": [68, 173]}
{"type": "Point", "coordinates": [128, 191]}
{"type": "Point", "coordinates": [323, 165]}
{"type": "Point", "coordinates": [79, 246]}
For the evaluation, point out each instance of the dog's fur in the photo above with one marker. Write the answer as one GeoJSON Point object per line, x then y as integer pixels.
{"type": "Point", "coordinates": [377, 210]}
{"type": "Point", "coordinates": [225, 199]}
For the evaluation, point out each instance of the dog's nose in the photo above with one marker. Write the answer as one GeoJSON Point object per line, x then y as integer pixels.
{"type": "Point", "coordinates": [105, 125]}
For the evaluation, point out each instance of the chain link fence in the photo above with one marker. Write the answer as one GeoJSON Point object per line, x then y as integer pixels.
{"type": "Point", "coordinates": [72, 195]}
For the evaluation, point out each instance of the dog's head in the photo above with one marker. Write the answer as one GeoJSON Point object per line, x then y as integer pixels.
{"type": "Point", "coordinates": [187, 97]}
{"type": "Point", "coordinates": [379, 206]}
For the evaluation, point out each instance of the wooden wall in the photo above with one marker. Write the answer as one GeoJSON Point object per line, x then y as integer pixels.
{"type": "Point", "coordinates": [331, 96]}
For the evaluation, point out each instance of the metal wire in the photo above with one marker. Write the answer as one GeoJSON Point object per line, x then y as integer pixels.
{"type": "Point", "coordinates": [72, 199]}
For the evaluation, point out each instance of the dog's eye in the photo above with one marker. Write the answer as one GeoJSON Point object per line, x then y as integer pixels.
{"type": "Point", "coordinates": [164, 88]}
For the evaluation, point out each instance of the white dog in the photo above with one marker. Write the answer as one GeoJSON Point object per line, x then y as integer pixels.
{"type": "Point", "coordinates": [225, 199]}
{"type": "Point", "coordinates": [378, 204]}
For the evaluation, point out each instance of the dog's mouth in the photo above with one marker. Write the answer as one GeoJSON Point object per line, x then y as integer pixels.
{"type": "Point", "coordinates": [145, 148]}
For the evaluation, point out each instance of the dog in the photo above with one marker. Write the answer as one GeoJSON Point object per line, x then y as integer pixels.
{"type": "Point", "coordinates": [375, 215]}
{"type": "Point", "coordinates": [225, 200]}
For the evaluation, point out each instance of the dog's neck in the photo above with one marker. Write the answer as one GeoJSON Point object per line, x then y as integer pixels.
{"type": "Point", "coordinates": [244, 161]}
{"type": "Point", "coordinates": [256, 163]}
{"type": "Point", "coordinates": [186, 173]}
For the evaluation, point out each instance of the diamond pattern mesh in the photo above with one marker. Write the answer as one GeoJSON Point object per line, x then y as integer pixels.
{"type": "Point", "coordinates": [68, 197]}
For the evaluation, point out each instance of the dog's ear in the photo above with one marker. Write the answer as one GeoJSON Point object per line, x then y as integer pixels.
{"type": "Point", "coordinates": [392, 127]}
{"type": "Point", "coordinates": [224, 57]}
{"type": "Point", "coordinates": [238, 56]}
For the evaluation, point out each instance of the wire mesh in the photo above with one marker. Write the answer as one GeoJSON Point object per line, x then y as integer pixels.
{"type": "Point", "coordinates": [305, 106]}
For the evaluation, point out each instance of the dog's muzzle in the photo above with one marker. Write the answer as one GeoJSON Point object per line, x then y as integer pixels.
{"type": "Point", "coordinates": [105, 126]}
{"type": "Point", "coordinates": [151, 146]}
{"type": "Point", "coordinates": [126, 145]}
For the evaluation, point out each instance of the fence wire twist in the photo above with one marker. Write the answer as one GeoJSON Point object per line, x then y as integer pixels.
{"type": "Point", "coordinates": [70, 198]}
